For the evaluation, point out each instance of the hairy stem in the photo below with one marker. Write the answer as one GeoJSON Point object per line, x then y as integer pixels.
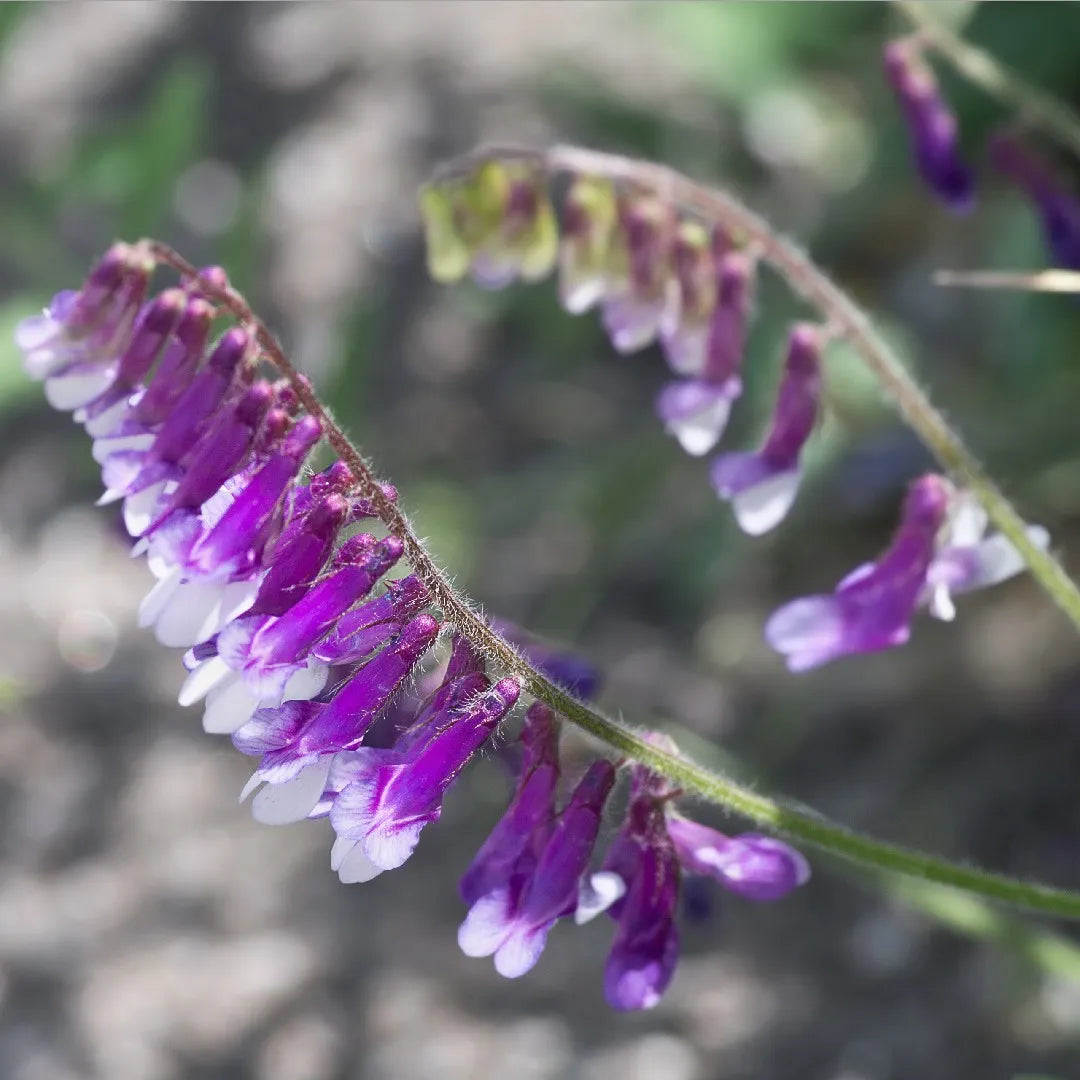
{"type": "Point", "coordinates": [802, 825]}
{"type": "Point", "coordinates": [1039, 109]}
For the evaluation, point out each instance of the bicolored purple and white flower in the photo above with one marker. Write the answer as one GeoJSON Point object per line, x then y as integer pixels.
{"type": "Point", "coordinates": [696, 410]}
{"type": "Point", "coordinates": [684, 335]}
{"type": "Point", "coordinates": [968, 559]}
{"type": "Point", "coordinates": [259, 655]}
{"type": "Point", "coordinates": [298, 739]}
{"type": "Point", "coordinates": [938, 550]}
{"type": "Point", "coordinates": [762, 485]}
{"type": "Point", "coordinates": [508, 855]}
{"type": "Point", "coordinates": [931, 125]}
{"type": "Point", "coordinates": [640, 294]}
{"type": "Point", "coordinates": [588, 230]}
{"type": "Point", "coordinates": [751, 865]}
{"type": "Point", "coordinates": [197, 555]}
{"type": "Point", "coordinates": [512, 919]}
{"type": "Point", "coordinates": [75, 345]}
{"type": "Point", "coordinates": [130, 470]}
{"type": "Point", "coordinates": [391, 796]}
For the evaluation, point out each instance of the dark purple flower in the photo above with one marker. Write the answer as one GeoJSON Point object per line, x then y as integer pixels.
{"type": "Point", "coordinates": [127, 472]}
{"type": "Point", "coordinates": [762, 485]}
{"type": "Point", "coordinates": [509, 853]}
{"type": "Point", "coordinates": [938, 550]}
{"type": "Point", "coordinates": [695, 254]}
{"type": "Point", "coordinates": [379, 814]}
{"type": "Point", "coordinates": [757, 867]}
{"type": "Point", "coordinates": [1058, 207]}
{"type": "Point", "coordinates": [932, 126]}
{"type": "Point", "coordinates": [360, 631]}
{"type": "Point", "coordinates": [511, 921]}
{"type": "Point", "coordinates": [646, 946]}
{"type": "Point", "coordinates": [696, 411]}
{"type": "Point", "coordinates": [298, 739]}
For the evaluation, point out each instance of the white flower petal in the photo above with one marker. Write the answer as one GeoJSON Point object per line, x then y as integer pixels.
{"type": "Point", "coordinates": [597, 893]}
{"type": "Point", "coordinates": [283, 804]}
{"type": "Point", "coordinates": [763, 506]}
{"type": "Point", "coordinates": [202, 679]}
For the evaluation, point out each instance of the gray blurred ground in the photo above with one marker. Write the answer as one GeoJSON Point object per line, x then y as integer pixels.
{"type": "Point", "coordinates": [150, 931]}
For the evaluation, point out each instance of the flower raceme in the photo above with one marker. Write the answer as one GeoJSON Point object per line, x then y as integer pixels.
{"type": "Point", "coordinates": [316, 662]}
{"type": "Point", "coordinates": [656, 273]}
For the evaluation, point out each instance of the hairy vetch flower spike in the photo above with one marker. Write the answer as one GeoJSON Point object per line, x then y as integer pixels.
{"type": "Point", "coordinates": [299, 645]}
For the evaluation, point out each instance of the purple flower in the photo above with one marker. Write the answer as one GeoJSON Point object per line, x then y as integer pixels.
{"type": "Point", "coordinates": [696, 410]}
{"type": "Point", "coordinates": [684, 335]}
{"type": "Point", "coordinates": [298, 739]}
{"type": "Point", "coordinates": [646, 945]}
{"type": "Point", "coordinates": [938, 550]}
{"type": "Point", "coordinates": [872, 608]}
{"type": "Point", "coordinates": [74, 345]}
{"type": "Point", "coordinates": [260, 655]}
{"type": "Point", "coordinates": [379, 814]}
{"type": "Point", "coordinates": [509, 853]}
{"type": "Point", "coordinates": [127, 472]}
{"type": "Point", "coordinates": [512, 920]}
{"type": "Point", "coordinates": [201, 553]}
{"type": "Point", "coordinates": [762, 485]}
{"type": "Point", "coordinates": [1058, 208]}
{"type": "Point", "coordinates": [640, 294]}
{"type": "Point", "coordinates": [932, 126]}
{"type": "Point", "coordinates": [360, 631]}
{"type": "Point", "coordinates": [589, 214]}
{"type": "Point", "coordinates": [757, 867]}
{"type": "Point", "coordinates": [967, 559]}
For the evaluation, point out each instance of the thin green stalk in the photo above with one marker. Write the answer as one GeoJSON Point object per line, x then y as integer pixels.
{"type": "Point", "coordinates": [1034, 106]}
{"type": "Point", "coordinates": [800, 824]}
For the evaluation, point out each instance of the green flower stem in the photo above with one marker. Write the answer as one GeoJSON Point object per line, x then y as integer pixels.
{"type": "Point", "coordinates": [799, 824]}
{"type": "Point", "coordinates": [1035, 107]}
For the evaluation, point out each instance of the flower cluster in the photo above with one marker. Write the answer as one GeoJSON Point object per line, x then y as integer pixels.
{"type": "Point", "coordinates": [934, 138]}
{"type": "Point", "coordinates": [303, 646]}
{"type": "Point", "coordinates": [657, 274]}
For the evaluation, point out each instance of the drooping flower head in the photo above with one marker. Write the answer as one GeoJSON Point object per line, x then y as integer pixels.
{"type": "Point", "coordinates": [931, 125]}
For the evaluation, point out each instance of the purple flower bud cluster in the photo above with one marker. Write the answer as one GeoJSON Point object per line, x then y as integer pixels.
{"type": "Point", "coordinates": [656, 275]}
{"type": "Point", "coordinates": [319, 664]}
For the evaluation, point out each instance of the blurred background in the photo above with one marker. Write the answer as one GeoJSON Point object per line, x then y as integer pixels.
{"type": "Point", "coordinates": [149, 930]}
